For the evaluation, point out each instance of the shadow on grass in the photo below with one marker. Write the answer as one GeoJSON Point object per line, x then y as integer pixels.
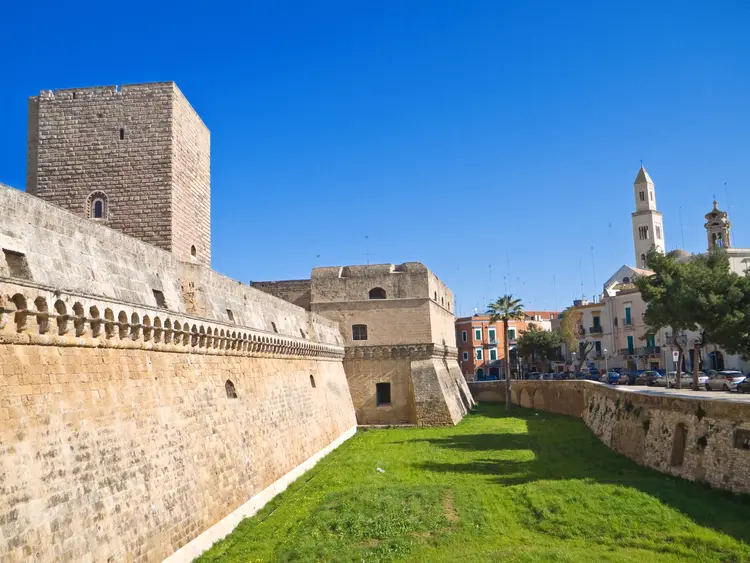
{"type": "Point", "coordinates": [564, 448]}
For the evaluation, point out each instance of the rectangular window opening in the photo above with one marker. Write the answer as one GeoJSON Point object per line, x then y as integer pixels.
{"type": "Point", "coordinates": [491, 334]}
{"type": "Point", "coordinates": [463, 336]}
{"type": "Point", "coordinates": [159, 297]}
{"type": "Point", "coordinates": [493, 354]}
{"type": "Point", "coordinates": [477, 334]}
{"type": "Point", "coordinates": [643, 196]}
{"type": "Point", "coordinates": [466, 356]}
{"type": "Point", "coordinates": [359, 332]}
{"type": "Point", "coordinates": [383, 394]}
{"type": "Point", "coordinates": [230, 314]}
{"type": "Point", "coordinates": [511, 333]}
{"type": "Point", "coordinates": [18, 265]}
{"type": "Point", "coordinates": [478, 353]}
{"type": "Point", "coordinates": [122, 133]}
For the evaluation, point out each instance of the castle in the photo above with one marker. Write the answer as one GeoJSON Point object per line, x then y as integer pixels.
{"type": "Point", "coordinates": [149, 403]}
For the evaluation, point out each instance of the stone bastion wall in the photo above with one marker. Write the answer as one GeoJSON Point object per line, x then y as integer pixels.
{"type": "Point", "coordinates": [145, 401]}
{"type": "Point", "coordinates": [698, 439]}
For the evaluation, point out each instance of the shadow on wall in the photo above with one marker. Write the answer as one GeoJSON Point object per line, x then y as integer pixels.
{"type": "Point", "coordinates": [565, 449]}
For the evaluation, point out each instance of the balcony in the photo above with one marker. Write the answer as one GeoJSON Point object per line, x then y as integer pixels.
{"type": "Point", "coordinates": [512, 341]}
{"type": "Point", "coordinates": [595, 330]}
{"type": "Point", "coordinates": [628, 351]}
{"type": "Point", "coordinates": [492, 341]}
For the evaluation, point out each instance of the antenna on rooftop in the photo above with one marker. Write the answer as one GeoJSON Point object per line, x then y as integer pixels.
{"type": "Point", "coordinates": [367, 249]}
{"type": "Point", "coordinates": [729, 213]}
{"type": "Point", "coordinates": [682, 229]}
{"type": "Point", "coordinates": [593, 266]}
{"type": "Point", "coordinates": [580, 270]}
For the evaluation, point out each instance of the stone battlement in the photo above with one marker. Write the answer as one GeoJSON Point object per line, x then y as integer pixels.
{"type": "Point", "coordinates": [104, 91]}
{"type": "Point", "coordinates": [32, 315]}
{"type": "Point", "coordinates": [48, 247]}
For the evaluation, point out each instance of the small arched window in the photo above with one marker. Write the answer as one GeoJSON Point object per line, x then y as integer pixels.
{"type": "Point", "coordinates": [231, 391]}
{"type": "Point", "coordinates": [96, 206]}
{"type": "Point", "coordinates": [626, 279]}
{"type": "Point", "coordinates": [377, 293]}
{"type": "Point", "coordinates": [193, 251]}
{"type": "Point", "coordinates": [643, 261]}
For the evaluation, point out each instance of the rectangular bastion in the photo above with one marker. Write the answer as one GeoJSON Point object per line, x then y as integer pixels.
{"type": "Point", "coordinates": [146, 404]}
{"type": "Point", "coordinates": [700, 439]}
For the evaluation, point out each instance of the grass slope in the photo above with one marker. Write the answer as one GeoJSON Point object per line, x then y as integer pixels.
{"type": "Point", "coordinates": [531, 487]}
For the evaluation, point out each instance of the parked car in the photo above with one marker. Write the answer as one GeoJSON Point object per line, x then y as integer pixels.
{"type": "Point", "coordinates": [648, 378]}
{"type": "Point", "coordinates": [624, 379]}
{"type": "Point", "coordinates": [686, 380]}
{"type": "Point", "coordinates": [533, 376]}
{"type": "Point", "coordinates": [726, 380]}
{"type": "Point", "coordinates": [580, 375]}
{"type": "Point", "coordinates": [744, 387]}
{"type": "Point", "coordinates": [611, 378]}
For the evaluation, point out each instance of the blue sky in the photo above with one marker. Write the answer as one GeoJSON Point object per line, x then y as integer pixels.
{"type": "Point", "coordinates": [494, 141]}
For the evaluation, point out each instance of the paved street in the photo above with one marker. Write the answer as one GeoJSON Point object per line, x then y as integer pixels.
{"type": "Point", "coordinates": [714, 395]}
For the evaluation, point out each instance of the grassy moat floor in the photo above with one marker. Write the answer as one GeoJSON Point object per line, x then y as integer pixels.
{"type": "Point", "coordinates": [526, 487]}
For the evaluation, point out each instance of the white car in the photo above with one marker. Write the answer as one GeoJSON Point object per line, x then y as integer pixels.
{"type": "Point", "coordinates": [686, 380]}
{"type": "Point", "coordinates": [726, 380]}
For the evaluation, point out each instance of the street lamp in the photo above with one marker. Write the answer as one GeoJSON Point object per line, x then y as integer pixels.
{"type": "Point", "coordinates": [606, 366]}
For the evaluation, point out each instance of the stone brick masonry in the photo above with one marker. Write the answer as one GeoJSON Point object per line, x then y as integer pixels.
{"type": "Point", "coordinates": [140, 147]}
{"type": "Point", "coordinates": [697, 439]}
{"type": "Point", "coordinates": [119, 438]}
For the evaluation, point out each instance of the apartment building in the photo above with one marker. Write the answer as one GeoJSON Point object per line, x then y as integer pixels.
{"type": "Point", "coordinates": [481, 344]}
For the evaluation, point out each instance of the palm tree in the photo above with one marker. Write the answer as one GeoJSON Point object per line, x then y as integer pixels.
{"type": "Point", "coordinates": [506, 308]}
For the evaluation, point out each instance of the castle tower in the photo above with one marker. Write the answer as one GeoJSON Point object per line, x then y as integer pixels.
{"type": "Point", "coordinates": [135, 158]}
{"type": "Point", "coordinates": [718, 229]}
{"type": "Point", "coordinates": [648, 230]}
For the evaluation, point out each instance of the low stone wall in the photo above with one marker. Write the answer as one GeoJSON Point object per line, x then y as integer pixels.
{"type": "Point", "coordinates": [698, 439]}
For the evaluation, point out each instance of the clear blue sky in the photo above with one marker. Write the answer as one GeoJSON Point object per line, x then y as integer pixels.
{"type": "Point", "coordinates": [460, 134]}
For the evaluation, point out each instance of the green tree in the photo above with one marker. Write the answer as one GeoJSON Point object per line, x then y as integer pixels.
{"type": "Point", "coordinates": [506, 308]}
{"type": "Point", "coordinates": [573, 334]}
{"type": "Point", "coordinates": [536, 343]}
{"type": "Point", "coordinates": [700, 292]}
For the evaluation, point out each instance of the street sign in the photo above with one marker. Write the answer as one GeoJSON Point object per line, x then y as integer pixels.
{"type": "Point", "coordinates": [675, 355]}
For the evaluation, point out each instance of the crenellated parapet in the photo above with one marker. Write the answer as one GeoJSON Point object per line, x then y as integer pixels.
{"type": "Point", "coordinates": [43, 316]}
{"type": "Point", "coordinates": [406, 351]}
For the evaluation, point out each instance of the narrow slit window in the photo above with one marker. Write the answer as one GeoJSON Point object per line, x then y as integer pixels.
{"type": "Point", "coordinates": [230, 314]}
{"type": "Point", "coordinates": [159, 298]}
{"type": "Point", "coordinates": [18, 265]}
{"type": "Point", "coordinates": [230, 389]}
{"type": "Point", "coordinates": [122, 133]}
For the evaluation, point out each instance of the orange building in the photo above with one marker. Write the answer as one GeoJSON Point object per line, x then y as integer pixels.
{"type": "Point", "coordinates": [481, 345]}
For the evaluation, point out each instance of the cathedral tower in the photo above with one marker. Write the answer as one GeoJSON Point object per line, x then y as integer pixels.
{"type": "Point", "coordinates": [717, 229]}
{"type": "Point", "coordinates": [648, 230]}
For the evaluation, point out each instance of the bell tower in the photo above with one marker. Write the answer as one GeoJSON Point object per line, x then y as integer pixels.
{"type": "Point", "coordinates": [718, 229]}
{"type": "Point", "coordinates": [648, 228]}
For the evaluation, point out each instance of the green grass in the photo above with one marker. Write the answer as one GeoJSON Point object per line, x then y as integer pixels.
{"type": "Point", "coordinates": [531, 487]}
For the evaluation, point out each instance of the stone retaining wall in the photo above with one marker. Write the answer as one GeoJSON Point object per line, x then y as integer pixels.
{"type": "Point", "coordinates": [698, 439]}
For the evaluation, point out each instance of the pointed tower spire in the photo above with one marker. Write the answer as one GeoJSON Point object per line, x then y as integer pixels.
{"type": "Point", "coordinates": [648, 229]}
{"type": "Point", "coordinates": [642, 177]}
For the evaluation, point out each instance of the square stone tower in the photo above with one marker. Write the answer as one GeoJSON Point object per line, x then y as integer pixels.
{"type": "Point", "coordinates": [135, 158]}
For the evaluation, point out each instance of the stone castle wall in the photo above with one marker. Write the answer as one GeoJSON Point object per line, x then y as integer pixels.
{"type": "Point", "coordinates": [294, 291]}
{"type": "Point", "coordinates": [698, 439]}
{"type": "Point", "coordinates": [63, 251]}
{"type": "Point", "coordinates": [142, 146]}
{"type": "Point", "coordinates": [120, 436]}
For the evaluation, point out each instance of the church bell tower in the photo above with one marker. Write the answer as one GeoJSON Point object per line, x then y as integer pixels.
{"type": "Point", "coordinates": [718, 229]}
{"type": "Point", "coordinates": [648, 228]}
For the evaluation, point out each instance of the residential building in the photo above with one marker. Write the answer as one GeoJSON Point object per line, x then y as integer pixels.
{"type": "Point", "coordinates": [481, 344]}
